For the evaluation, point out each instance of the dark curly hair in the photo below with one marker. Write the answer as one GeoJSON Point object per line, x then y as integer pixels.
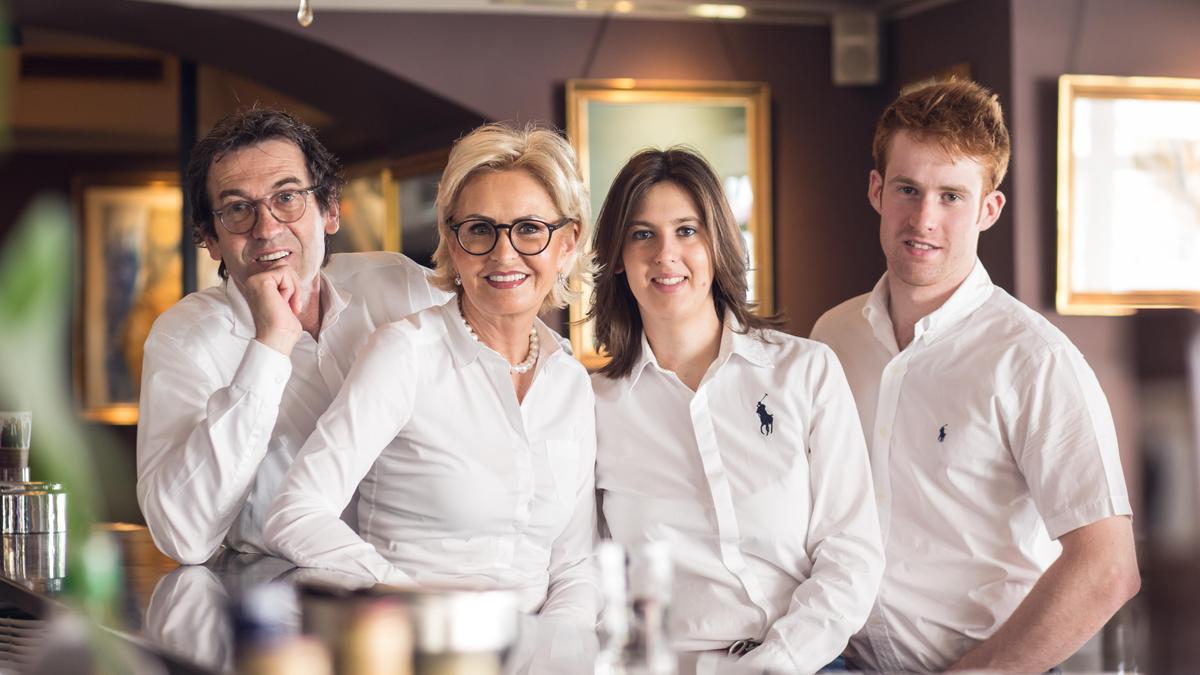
{"type": "Point", "coordinates": [244, 128]}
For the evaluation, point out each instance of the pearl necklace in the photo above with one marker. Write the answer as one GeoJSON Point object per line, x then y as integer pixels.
{"type": "Point", "coordinates": [519, 368]}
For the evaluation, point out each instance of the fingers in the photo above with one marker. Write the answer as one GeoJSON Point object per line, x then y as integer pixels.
{"type": "Point", "coordinates": [276, 302]}
{"type": "Point", "coordinates": [288, 286]}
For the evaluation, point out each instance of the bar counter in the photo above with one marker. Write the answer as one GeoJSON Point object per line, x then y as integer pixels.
{"type": "Point", "coordinates": [170, 618]}
{"type": "Point", "coordinates": [176, 618]}
{"type": "Point", "coordinates": [179, 616]}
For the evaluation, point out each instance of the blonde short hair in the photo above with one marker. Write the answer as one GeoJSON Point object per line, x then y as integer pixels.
{"type": "Point", "coordinates": [542, 153]}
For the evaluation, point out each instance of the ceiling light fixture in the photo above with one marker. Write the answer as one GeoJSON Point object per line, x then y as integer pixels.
{"type": "Point", "coordinates": [710, 11]}
{"type": "Point", "coordinates": [304, 15]}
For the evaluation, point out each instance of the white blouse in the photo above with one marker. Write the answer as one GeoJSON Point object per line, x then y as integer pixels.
{"type": "Point", "coordinates": [460, 483]}
{"type": "Point", "coordinates": [769, 511]}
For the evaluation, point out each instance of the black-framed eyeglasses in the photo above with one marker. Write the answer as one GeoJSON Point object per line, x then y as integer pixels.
{"type": "Point", "coordinates": [528, 236]}
{"type": "Point", "coordinates": [286, 206]}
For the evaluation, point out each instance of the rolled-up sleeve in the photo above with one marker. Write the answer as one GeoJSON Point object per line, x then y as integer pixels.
{"type": "Point", "coordinates": [375, 402]}
{"type": "Point", "coordinates": [200, 442]}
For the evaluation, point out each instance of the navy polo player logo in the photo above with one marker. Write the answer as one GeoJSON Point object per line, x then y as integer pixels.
{"type": "Point", "coordinates": [766, 421]}
{"type": "Point", "coordinates": [942, 433]}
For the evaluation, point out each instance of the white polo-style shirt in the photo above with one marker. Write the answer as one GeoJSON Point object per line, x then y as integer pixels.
{"type": "Point", "coordinates": [460, 482]}
{"type": "Point", "coordinates": [759, 482]}
{"type": "Point", "coordinates": [222, 415]}
{"type": "Point", "coordinates": [989, 438]}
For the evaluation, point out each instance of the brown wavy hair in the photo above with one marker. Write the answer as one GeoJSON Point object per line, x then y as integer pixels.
{"type": "Point", "coordinates": [614, 308]}
{"type": "Point", "coordinates": [960, 116]}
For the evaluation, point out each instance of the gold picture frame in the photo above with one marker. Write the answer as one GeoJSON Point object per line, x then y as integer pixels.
{"type": "Point", "coordinates": [729, 122]}
{"type": "Point", "coordinates": [1128, 194]}
{"type": "Point", "coordinates": [131, 225]}
{"type": "Point", "coordinates": [389, 205]}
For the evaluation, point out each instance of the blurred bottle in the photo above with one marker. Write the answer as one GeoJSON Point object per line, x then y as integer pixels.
{"type": "Point", "coordinates": [614, 618]}
{"type": "Point", "coordinates": [266, 641]}
{"type": "Point", "coordinates": [633, 625]}
{"type": "Point", "coordinates": [378, 642]}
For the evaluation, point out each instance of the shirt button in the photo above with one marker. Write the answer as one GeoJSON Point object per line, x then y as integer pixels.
{"type": "Point", "coordinates": [883, 432]}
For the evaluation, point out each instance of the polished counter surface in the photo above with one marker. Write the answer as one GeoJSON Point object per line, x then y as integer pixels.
{"type": "Point", "coordinates": [170, 618]}
{"type": "Point", "coordinates": [180, 615]}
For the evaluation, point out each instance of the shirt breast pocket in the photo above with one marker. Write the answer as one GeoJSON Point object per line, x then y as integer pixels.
{"type": "Point", "coordinates": [563, 459]}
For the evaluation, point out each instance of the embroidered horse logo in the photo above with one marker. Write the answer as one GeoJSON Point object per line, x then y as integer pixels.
{"type": "Point", "coordinates": [942, 433]}
{"type": "Point", "coordinates": [766, 421]}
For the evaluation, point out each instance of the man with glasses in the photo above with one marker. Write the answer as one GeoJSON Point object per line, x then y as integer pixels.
{"type": "Point", "coordinates": [235, 376]}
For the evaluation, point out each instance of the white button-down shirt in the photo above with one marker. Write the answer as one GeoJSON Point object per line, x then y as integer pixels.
{"type": "Point", "coordinates": [222, 415]}
{"type": "Point", "coordinates": [460, 482]}
{"type": "Point", "coordinates": [769, 513]}
{"type": "Point", "coordinates": [989, 437]}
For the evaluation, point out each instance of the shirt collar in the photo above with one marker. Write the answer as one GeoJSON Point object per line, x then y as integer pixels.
{"type": "Point", "coordinates": [332, 298]}
{"type": "Point", "coordinates": [746, 345]}
{"type": "Point", "coordinates": [464, 348]}
{"type": "Point", "coordinates": [970, 294]}
{"type": "Point", "coordinates": [967, 298]}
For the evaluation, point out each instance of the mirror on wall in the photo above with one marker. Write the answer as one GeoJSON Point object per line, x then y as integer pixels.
{"type": "Point", "coordinates": [1128, 193]}
{"type": "Point", "coordinates": [727, 122]}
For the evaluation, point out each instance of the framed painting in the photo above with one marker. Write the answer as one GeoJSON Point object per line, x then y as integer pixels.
{"type": "Point", "coordinates": [727, 122]}
{"type": "Point", "coordinates": [368, 219]}
{"type": "Point", "coordinates": [389, 206]}
{"type": "Point", "coordinates": [131, 226]}
{"type": "Point", "coordinates": [1128, 194]}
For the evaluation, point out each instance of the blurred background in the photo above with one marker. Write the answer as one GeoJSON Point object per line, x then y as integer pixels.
{"type": "Point", "coordinates": [102, 100]}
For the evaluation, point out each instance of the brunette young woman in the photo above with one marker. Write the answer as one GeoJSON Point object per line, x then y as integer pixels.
{"type": "Point", "coordinates": [737, 444]}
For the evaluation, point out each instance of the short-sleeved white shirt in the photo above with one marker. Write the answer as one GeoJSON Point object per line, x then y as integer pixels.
{"type": "Point", "coordinates": [989, 437]}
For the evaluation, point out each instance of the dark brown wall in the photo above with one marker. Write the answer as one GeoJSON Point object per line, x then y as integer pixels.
{"type": "Point", "coordinates": [1105, 37]}
{"type": "Point", "coordinates": [25, 175]}
{"type": "Point", "coordinates": [510, 67]}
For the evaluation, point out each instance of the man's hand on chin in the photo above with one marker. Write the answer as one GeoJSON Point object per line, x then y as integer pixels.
{"type": "Point", "coordinates": [276, 301]}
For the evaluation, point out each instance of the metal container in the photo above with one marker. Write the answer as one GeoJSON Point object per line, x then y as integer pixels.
{"type": "Point", "coordinates": [37, 561]}
{"type": "Point", "coordinates": [33, 534]}
{"type": "Point", "coordinates": [32, 508]}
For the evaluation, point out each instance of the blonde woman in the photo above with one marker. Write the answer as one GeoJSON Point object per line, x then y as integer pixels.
{"type": "Point", "coordinates": [469, 426]}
